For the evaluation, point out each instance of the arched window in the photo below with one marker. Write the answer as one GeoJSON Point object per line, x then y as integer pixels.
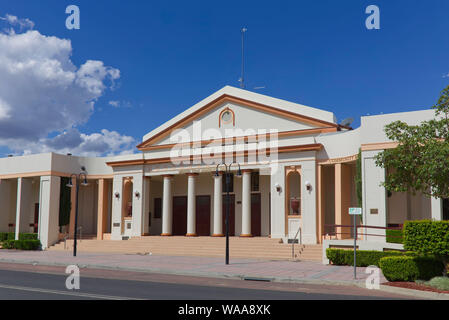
{"type": "Point", "coordinates": [294, 193]}
{"type": "Point", "coordinates": [227, 116]}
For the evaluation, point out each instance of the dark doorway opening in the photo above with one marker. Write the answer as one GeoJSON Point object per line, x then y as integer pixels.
{"type": "Point", "coordinates": [256, 224]}
{"type": "Point", "coordinates": [179, 223]}
{"type": "Point", "coordinates": [203, 215]}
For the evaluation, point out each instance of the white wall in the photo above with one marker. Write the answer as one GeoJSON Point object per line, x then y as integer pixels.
{"type": "Point", "coordinates": [374, 196]}
{"type": "Point", "coordinates": [49, 210]}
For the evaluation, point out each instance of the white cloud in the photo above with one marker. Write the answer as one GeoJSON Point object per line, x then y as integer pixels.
{"type": "Point", "coordinates": [446, 76]}
{"type": "Point", "coordinates": [115, 104]}
{"type": "Point", "coordinates": [118, 104]}
{"type": "Point", "coordinates": [15, 21]}
{"type": "Point", "coordinates": [42, 92]}
{"type": "Point", "coordinates": [72, 141]}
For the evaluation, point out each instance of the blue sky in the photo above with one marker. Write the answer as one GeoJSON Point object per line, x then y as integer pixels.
{"type": "Point", "coordinates": [172, 54]}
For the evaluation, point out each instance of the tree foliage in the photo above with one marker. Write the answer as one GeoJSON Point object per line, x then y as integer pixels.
{"type": "Point", "coordinates": [420, 162]}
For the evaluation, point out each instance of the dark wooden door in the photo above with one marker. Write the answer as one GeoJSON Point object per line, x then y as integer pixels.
{"type": "Point", "coordinates": [179, 216]}
{"type": "Point", "coordinates": [231, 214]}
{"type": "Point", "coordinates": [256, 225]}
{"type": "Point", "coordinates": [36, 217]}
{"type": "Point", "coordinates": [203, 215]}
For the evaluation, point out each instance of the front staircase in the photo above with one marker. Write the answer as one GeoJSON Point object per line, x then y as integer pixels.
{"type": "Point", "coordinates": [251, 248]}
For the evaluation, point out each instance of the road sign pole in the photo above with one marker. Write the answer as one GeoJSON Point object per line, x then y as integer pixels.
{"type": "Point", "coordinates": [355, 248]}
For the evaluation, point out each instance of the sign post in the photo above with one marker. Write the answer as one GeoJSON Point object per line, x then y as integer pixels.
{"type": "Point", "coordinates": [355, 212]}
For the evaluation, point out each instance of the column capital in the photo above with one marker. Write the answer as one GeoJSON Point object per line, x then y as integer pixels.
{"type": "Point", "coordinates": [220, 173]}
{"type": "Point", "coordinates": [247, 170]}
{"type": "Point", "coordinates": [192, 174]}
{"type": "Point", "coordinates": [168, 176]}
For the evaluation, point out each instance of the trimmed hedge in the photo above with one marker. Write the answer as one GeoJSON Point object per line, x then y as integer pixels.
{"type": "Point", "coordinates": [365, 258]}
{"type": "Point", "coordinates": [427, 237]}
{"type": "Point", "coordinates": [22, 244]}
{"type": "Point", "coordinates": [408, 268]}
{"type": "Point", "coordinates": [4, 236]}
{"type": "Point", "coordinates": [394, 236]}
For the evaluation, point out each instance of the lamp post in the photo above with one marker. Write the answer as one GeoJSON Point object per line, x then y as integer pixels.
{"type": "Point", "coordinates": [228, 181]}
{"type": "Point", "coordinates": [78, 177]}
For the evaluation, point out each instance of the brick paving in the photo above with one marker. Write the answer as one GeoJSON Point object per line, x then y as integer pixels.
{"type": "Point", "coordinates": [300, 271]}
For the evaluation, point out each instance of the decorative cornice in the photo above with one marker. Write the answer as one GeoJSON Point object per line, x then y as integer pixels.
{"type": "Point", "coordinates": [286, 149]}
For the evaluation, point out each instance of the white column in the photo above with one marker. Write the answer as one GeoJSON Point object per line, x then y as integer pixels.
{"type": "Point", "coordinates": [246, 204]}
{"type": "Point", "coordinates": [117, 196]}
{"type": "Point", "coordinates": [138, 194]}
{"type": "Point", "coordinates": [18, 206]}
{"type": "Point", "coordinates": [23, 208]}
{"type": "Point", "coordinates": [218, 206]}
{"type": "Point", "coordinates": [436, 205]}
{"type": "Point", "coordinates": [191, 205]}
{"type": "Point", "coordinates": [49, 210]}
{"type": "Point", "coordinates": [167, 207]}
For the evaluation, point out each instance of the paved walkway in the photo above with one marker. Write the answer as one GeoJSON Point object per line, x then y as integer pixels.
{"type": "Point", "coordinates": [301, 271]}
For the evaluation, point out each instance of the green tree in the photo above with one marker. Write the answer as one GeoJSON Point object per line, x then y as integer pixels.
{"type": "Point", "coordinates": [420, 162]}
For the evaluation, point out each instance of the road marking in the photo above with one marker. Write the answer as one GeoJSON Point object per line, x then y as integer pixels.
{"type": "Point", "coordinates": [67, 293]}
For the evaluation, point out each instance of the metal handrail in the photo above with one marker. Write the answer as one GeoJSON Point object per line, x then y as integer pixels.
{"type": "Point", "coordinates": [65, 241]}
{"type": "Point", "coordinates": [80, 228]}
{"type": "Point", "coordinates": [294, 239]}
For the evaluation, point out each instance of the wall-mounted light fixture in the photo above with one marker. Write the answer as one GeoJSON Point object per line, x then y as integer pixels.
{"type": "Point", "coordinates": [117, 194]}
{"type": "Point", "coordinates": [308, 186]}
{"type": "Point", "coordinates": [278, 187]}
{"type": "Point", "coordinates": [137, 194]}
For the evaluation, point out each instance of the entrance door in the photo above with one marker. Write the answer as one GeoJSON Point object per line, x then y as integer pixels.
{"type": "Point", "coordinates": [179, 224]}
{"type": "Point", "coordinates": [445, 209]}
{"type": "Point", "coordinates": [203, 215]}
{"type": "Point", "coordinates": [256, 225]}
{"type": "Point", "coordinates": [36, 217]}
{"type": "Point", "coordinates": [231, 214]}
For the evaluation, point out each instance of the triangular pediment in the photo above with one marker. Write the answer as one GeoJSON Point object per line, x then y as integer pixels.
{"type": "Point", "coordinates": [243, 114]}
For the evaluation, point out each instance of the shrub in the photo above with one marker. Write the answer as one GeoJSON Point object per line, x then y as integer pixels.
{"type": "Point", "coordinates": [394, 236]}
{"type": "Point", "coordinates": [365, 258]}
{"type": "Point", "coordinates": [21, 244]}
{"type": "Point", "coordinates": [22, 236]}
{"type": "Point", "coordinates": [440, 283]}
{"type": "Point", "coordinates": [6, 236]}
{"type": "Point", "coordinates": [28, 236]}
{"type": "Point", "coordinates": [427, 237]}
{"type": "Point", "coordinates": [410, 268]}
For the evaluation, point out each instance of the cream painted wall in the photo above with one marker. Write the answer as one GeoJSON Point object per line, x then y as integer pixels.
{"type": "Point", "coordinates": [6, 204]}
{"type": "Point", "coordinates": [374, 196]}
{"type": "Point", "coordinates": [88, 208]}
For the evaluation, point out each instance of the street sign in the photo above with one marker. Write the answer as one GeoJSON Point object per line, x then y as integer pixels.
{"type": "Point", "coordinates": [355, 211]}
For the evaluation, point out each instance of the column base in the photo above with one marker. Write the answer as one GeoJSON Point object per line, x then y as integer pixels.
{"type": "Point", "coordinates": [191, 235]}
{"type": "Point", "coordinates": [246, 235]}
{"type": "Point", "coordinates": [166, 234]}
{"type": "Point", "coordinates": [218, 235]}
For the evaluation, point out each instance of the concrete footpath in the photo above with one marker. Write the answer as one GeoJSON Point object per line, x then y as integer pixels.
{"type": "Point", "coordinates": [278, 271]}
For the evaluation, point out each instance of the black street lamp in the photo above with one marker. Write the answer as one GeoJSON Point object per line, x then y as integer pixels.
{"type": "Point", "coordinates": [78, 178]}
{"type": "Point", "coordinates": [228, 182]}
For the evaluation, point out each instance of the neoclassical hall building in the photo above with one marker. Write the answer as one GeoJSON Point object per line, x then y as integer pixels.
{"type": "Point", "coordinates": [292, 175]}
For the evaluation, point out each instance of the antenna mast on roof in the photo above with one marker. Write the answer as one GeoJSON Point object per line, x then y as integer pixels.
{"type": "Point", "coordinates": [242, 78]}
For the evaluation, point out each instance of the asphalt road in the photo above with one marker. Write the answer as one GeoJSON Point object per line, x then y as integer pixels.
{"type": "Point", "coordinates": [48, 283]}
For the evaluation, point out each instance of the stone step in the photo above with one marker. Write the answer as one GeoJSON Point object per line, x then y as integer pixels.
{"type": "Point", "coordinates": [254, 248]}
